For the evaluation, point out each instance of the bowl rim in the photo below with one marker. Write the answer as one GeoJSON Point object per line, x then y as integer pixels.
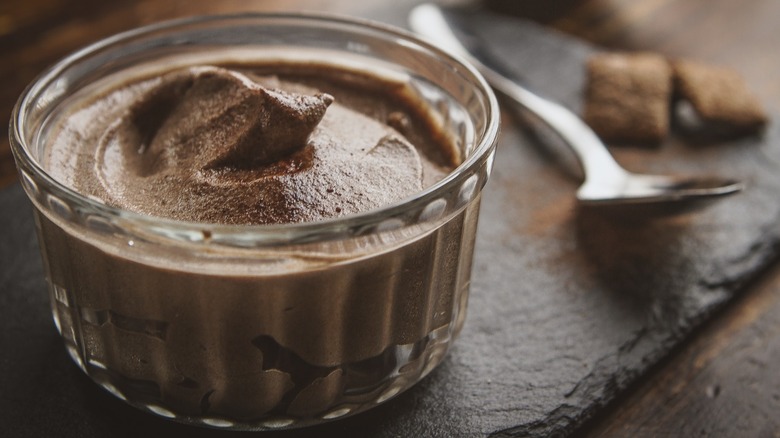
{"type": "Point", "coordinates": [287, 232]}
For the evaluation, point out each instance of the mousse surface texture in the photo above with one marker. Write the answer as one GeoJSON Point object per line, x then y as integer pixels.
{"type": "Point", "coordinates": [216, 145]}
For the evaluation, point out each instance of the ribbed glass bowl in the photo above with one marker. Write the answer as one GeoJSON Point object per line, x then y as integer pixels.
{"type": "Point", "coordinates": [268, 326]}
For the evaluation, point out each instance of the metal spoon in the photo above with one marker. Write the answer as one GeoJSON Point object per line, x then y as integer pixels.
{"type": "Point", "coordinates": [606, 183]}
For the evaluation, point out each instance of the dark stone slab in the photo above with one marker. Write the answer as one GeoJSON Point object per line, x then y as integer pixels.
{"type": "Point", "coordinates": [568, 307]}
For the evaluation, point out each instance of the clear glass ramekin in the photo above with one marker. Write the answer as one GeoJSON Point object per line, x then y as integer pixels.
{"type": "Point", "coordinates": [260, 327]}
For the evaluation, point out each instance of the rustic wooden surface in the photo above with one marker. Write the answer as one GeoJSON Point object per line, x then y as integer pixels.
{"type": "Point", "coordinates": [723, 381]}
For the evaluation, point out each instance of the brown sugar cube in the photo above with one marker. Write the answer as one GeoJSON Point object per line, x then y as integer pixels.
{"type": "Point", "coordinates": [718, 95]}
{"type": "Point", "coordinates": [628, 97]}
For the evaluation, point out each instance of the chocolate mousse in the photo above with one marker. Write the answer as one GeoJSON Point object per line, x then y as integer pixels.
{"type": "Point", "coordinates": [218, 145]}
{"type": "Point", "coordinates": [290, 335]}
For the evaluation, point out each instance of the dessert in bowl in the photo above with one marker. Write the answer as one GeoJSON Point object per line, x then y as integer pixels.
{"type": "Point", "coordinates": [257, 221]}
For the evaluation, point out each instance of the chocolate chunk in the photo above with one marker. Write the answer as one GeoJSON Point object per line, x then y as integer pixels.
{"type": "Point", "coordinates": [719, 96]}
{"type": "Point", "coordinates": [628, 96]}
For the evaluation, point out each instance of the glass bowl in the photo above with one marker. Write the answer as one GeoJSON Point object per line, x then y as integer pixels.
{"type": "Point", "coordinates": [264, 326]}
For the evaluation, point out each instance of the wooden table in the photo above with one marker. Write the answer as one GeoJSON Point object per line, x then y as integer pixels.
{"type": "Point", "coordinates": [722, 382]}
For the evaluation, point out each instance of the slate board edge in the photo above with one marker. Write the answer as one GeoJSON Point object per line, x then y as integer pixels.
{"type": "Point", "coordinates": [568, 419]}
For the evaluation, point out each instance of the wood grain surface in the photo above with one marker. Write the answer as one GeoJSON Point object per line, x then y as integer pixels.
{"type": "Point", "coordinates": [723, 381]}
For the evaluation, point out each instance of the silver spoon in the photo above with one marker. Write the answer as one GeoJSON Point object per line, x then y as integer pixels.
{"type": "Point", "coordinates": [606, 182]}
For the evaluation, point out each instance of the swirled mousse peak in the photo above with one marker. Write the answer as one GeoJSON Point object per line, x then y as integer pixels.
{"type": "Point", "coordinates": [216, 118]}
{"type": "Point", "coordinates": [211, 144]}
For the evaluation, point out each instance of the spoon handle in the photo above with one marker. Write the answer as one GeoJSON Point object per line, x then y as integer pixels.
{"type": "Point", "coordinates": [429, 21]}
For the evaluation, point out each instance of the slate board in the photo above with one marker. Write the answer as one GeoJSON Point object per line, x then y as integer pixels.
{"type": "Point", "coordinates": [567, 307]}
